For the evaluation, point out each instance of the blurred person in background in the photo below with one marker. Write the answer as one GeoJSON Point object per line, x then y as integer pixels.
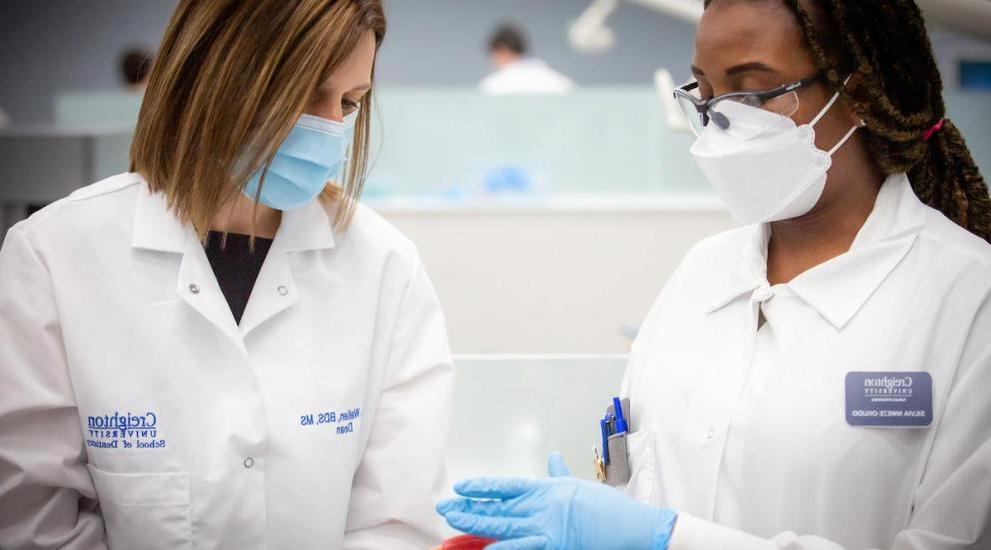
{"type": "Point", "coordinates": [516, 71]}
{"type": "Point", "coordinates": [135, 66]}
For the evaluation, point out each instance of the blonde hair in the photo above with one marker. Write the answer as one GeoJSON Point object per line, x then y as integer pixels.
{"type": "Point", "coordinates": [230, 81]}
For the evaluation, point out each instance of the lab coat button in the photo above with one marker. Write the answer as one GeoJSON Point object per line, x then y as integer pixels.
{"type": "Point", "coordinates": [195, 289]}
{"type": "Point", "coordinates": [710, 435]}
{"type": "Point", "coordinates": [249, 462]}
{"type": "Point", "coordinates": [283, 290]}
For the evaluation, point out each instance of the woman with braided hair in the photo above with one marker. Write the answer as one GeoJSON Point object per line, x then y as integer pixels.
{"type": "Point", "coordinates": [817, 379]}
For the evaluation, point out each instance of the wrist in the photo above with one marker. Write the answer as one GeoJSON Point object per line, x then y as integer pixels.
{"type": "Point", "coordinates": [664, 523]}
{"type": "Point", "coordinates": [644, 527]}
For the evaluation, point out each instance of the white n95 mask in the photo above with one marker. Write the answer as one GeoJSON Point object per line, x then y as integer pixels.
{"type": "Point", "coordinates": [778, 175]}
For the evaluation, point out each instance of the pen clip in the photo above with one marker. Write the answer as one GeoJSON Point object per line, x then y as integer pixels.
{"type": "Point", "coordinates": [605, 428]}
{"type": "Point", "coordinates": [621, 426]}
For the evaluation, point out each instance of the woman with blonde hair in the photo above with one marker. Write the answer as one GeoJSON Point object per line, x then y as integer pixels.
{"type": "Point", "coordinates": [222, 348]}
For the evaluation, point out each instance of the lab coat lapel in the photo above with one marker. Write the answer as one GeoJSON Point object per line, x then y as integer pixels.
{"type": "Point", "coordinates": [302, 231]}
{"type": "Point", "coordinates": [199, 288]}
{"type": "Point", "coordinates": [274, 290]}
{"type": "Point", "coordinates": [156, 228]}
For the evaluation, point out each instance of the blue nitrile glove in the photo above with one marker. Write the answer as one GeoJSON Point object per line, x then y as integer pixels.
{"type": "Point", "coordinates": [559, 513]}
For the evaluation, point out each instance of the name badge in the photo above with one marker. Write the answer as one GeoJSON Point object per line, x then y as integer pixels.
{"type": "Point", "coordinates": [889, 399]}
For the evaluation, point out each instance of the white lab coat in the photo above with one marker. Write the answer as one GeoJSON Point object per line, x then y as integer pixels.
{"type": "Point", "coordinates": [743, 429]}
{"type": "Point", "coordinates": [319, 422]}
{"type": "Point", "coordinates": [526, 76]}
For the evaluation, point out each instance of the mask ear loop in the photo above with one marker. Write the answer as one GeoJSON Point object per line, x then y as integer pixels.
{"type": "Point", "coordinates": [829, 105]}
{"type": "Point", "coordinates": [826, 109]}
{"type": "Point", "coordinates": [846, 137]}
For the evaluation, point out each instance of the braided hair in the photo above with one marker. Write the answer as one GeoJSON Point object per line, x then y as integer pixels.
{"type": "Point", "coordinates": [898, 92]}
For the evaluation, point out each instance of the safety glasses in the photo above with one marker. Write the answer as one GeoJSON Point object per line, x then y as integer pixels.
{"type": "Point", "coordinates": [781, 101]}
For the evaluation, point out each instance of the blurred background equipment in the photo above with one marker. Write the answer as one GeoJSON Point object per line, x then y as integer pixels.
{"type": "Point", "coordinates": [965, 16]}
{"type": "Point", "coordinates": [590, 33]}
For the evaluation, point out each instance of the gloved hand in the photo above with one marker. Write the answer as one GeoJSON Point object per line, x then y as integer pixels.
{"type": "Point", "coordinates": [559, 513]}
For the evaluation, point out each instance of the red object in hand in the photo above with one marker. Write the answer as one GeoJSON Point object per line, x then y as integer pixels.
{"type": "Point", "coordinates": [466, 542]}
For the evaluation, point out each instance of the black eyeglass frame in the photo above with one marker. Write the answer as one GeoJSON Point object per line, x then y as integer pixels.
{"type": "Point", "coordinates": [704, 106]}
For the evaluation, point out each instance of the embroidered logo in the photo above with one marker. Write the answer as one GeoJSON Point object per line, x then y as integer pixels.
{"type": "Point", "coordinates": [342, 421]}
{"type": "Point", "coordinates": [124, 431]}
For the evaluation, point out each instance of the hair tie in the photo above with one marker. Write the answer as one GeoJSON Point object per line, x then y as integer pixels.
{"type": "Point", "coordinates": [935, 128]}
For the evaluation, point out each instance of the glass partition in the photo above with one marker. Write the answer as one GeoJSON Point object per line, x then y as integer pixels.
{"type": "Point", "coordinates": [456, 146]}
{"type": "Point", "coordinates": [509, 413]}
{"type": "Point", "coordinates": [459, 145]}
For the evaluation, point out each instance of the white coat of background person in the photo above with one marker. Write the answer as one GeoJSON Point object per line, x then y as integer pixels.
{"type": "Point", "coordinates": [135, 410]}
{"type": "Point", "coordinates": [817, 379]}
{"type": "Point", "coordinates": [517, 73]}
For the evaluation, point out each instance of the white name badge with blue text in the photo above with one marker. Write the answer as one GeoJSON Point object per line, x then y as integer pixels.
{"type": "Point", "coordinates": [889, 399]}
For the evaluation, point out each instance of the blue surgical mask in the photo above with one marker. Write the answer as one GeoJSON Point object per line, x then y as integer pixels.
{"type": "Point", "coordinates": [312, 154]}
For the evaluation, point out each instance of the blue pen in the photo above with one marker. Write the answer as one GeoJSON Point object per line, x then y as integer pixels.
{"type": "Point", "coordinates": [604, 426]}
{"type": "Point", "coordinates": [621, 426]}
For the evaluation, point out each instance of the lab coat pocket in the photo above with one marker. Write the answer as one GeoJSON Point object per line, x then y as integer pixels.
{"type": "Point", "coordinates": [144, 510]}
{"type": "Point", "coordinates": [642, 461]}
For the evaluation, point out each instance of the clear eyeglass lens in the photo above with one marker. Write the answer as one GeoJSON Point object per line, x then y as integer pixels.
{"type": "Point", "coordinates": [723, 114]}
{"type": "Point", "coordinates": [785, 105]}
{"type": "Point", "coordinates": [691, 113]}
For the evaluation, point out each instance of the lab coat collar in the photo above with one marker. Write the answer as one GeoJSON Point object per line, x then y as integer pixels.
{"type": "Point", "coordinates": [838, 288]}
{"type": "Point", "coordinates": [157, 228]}
{"type": "Point", "coordinates": [155, 225]}
{"type": "Point", "coordinates": [748, 276]}
{"type": "Point", "coordinates": [307, 228]}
